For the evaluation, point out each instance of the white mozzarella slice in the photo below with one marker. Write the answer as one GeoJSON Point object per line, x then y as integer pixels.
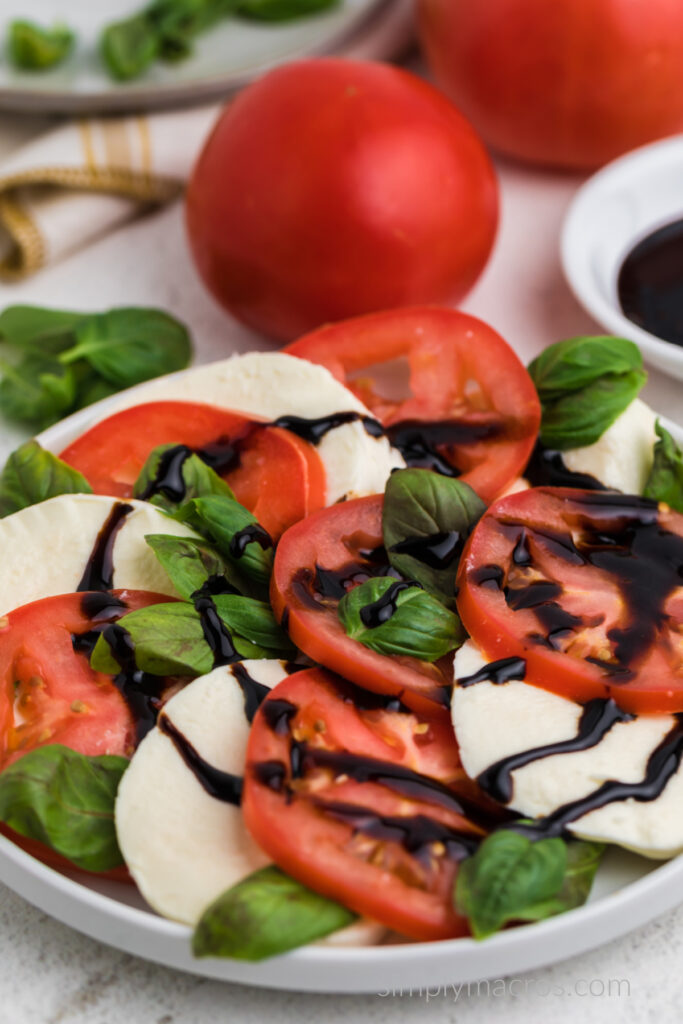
{"type": "Point", "coordinates": [45, 548]}
{"type": "Point", "coordinates": [622, 457]}
{"type": "Point", "coordinates": [182, 846]}
{"type": "Point", "coordinates": [494, 721]}
{"type": "Point", "coordinates": [268, 385]}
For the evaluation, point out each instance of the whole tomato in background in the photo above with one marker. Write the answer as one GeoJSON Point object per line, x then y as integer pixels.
{"type": "Point", "coordinates": [569, 83]}
{"type": "Point", "coordinates": [331, 188]}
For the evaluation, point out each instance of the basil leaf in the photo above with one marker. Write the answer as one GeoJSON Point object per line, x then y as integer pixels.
{"type": "Point", "coordinates": [426, 519]}
{"type": "Point", "coordinates": [93, 389]}
{"type": "Point", "coordinates": [32, 475]}
{"type": "Point", "coordinates": [253, 621]}
{"type": "Point", "coordinates": [34, 48]}
{"type": "Point", "coordinates": [413, 623]}
{"type": "Point", "coordinates": [66, 801]}
{"type": "Point", "coordinates": [665, 482]}
{"type": "Point", "coordinates": [130, 345]}
{"type": "Point", "coordinates": [264, 915]}
{"type": "Point", "coordinates": [37, 391]}
{"type": "Point", "coordinates": [129, 47]}
{"type": "Point", "coordinates": [229, 526]}
{"type": "Point", "coordinates": [584, 384]}
{"type": "Point", "coordinates": [196, 478]}
{"type": "Point", "coordinates": [47, 331]}
{"type": "Point", "coordinates": [190, 563]}
{"type": "Point", "coordinates": [282, 10]}
{"type": "Point", "coordinates": [513, 878]}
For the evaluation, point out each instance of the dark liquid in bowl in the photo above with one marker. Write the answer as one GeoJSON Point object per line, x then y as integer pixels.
{"type": "Point", "coordinates": [650, 283]}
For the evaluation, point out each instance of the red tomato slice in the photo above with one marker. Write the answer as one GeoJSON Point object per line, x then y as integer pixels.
{"type": "Point", "coordinates": [360, 804]}
{"type": "Point", "coordinates": [587, 586]}
{"type": "Point", "coordinates": [59, 863]}
{"type": "Point", "coordinates": [49, 693]}
{"type": "Point", "coordinates": [316, 562]}
{"type": "Point", "coordinates": [278, 476]}
{"type": "Point", "coordinates": [463, 376]}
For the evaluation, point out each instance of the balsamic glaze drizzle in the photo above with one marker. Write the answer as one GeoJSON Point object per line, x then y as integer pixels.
{"type": "Point", "coordinates": [142, 692]}
{"type": "Point", "coordinates": [419, 440]}
{"type": "Point", "coordinates": [244, 537]}
{"type": "Point", "coordinates": [99, 569]}
{"type": "Point", "coordinates": [381, 610]}
{"type": "Point", "coordinates": [254, 693]}
{"type": "Point", "coordinates": [216, 633]}
{"type": "Point", "coordinates": [438, 551]}
{"type": "Point", "coordinates": [314, 430]}
{"type": "Point", "coordinates": [221, 456]}
{"type": "Point", "coordinates": [221, 785]}
{"type": "Point", "coordinates": [546, 468]}
{"type": "Point", "coordinates": [497, 672]}
{"type": "Point", "coordinates": [597, 718]}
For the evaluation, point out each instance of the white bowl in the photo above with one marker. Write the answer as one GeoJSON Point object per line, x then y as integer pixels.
{"type": "Point", "coordinates": [615, 209]}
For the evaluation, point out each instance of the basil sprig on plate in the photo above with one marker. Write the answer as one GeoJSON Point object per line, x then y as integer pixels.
{"type": "Point", "coordinates": [31, 47]}
{"type": "Point", "coordinates": [172, 475]}
{"type": "Point", "coordinates": [426, 519]}
{"type": "Point", "coordinates": [264, 915]}
{"type": "Point", "coordinates": [66, 801]}
{"type": "Point", "coordinates": [394, 617]}
{"type": "Point", "coordinates": [32, 475]}
{"type": "Point", "coordinates": [665, 482]}
{"type": "Point", "coordinates": [514, 878]}
{"type": "Point", "coordinates": [584, 384]}
{"type": "Point", "coordinates": [62, 361]}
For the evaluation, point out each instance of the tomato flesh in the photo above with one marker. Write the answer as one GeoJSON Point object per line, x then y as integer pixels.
{"type": "Point", "coordinates": [463, 376]}
{"type": "Point", "coordinates": [587, 587]}
{"type": "Point", "coordinates": [361, 804]}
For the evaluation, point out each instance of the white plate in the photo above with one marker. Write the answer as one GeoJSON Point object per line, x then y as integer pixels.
{"type": "Point", "coordinates": [615, 209]}
{"type": "Point", "coordinates": [629, 891]}
{"type": "Point", "coordinates": [224, 58]}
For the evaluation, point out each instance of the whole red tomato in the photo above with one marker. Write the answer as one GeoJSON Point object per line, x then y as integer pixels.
{"type": "Point", "coordinates": [332, 188]}
{"type": "Point", "coordinates": [570, 83]}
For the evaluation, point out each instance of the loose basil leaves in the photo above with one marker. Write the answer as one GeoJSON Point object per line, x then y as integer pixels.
{"type": "Point", "coordinates": [66, 801]}
{"type": "Point", "coordinates": [513, 878]}
{"type": "Point", "coordinates": [584, 384]}
{"type": "Point", "coordinates": [191, 563]}
{"type": "Point", "coordinates": [264, 915]}
{"type": "Point", "coordinates": [426, 519]}
{"type": "Point", "coordinates": [32, 47]}
{"type": "Point", "coordinates": [32, 475]}
{"type": "Point", "coordinates": [61, 361]}
{"type": "Point", "coordinates": [391, 617]}
{"type": "Point", "coordinates": [665, 482]}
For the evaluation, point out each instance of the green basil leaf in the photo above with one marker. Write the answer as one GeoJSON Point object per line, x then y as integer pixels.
{"type": "Point", "coordinates": [129, 47]}
{"type": "Point", "coordinates": [34, 48]}
{"type": "Point", "coordinates": [425, 520]}
{"type": "Point", "coordinates": [93, 389]}
{"type": "Point", "coordinates": [419, 627]}
{"type": "Point", "coordinates": [665, 482]}
{"type": "Point", "coordinates": [48, 331]}
{"type": "Point", "coordinates": [573, 364]}
{"type": "Point", "coordinates": [66, 801]}
{"type": "Point", "coordinates": [582, 417]}
{"type": "Point", "coordinates": [127, 346]}
{"type": "Point", "coordinates": [253, 621]}
{"type": "Point", "coordinates": [198, 479]}
{"type": "Point", "coordinates": [227, 524]}
{"type": "Point", "coordinates": [513, 878]}
{"type": "Point", "coordinates": [264, 915]}
{"type": "Point", "coordinates": [32, 475]}
{"type": "Point", "coordinates": [282, 10]}
{"type": "Point", "coordinates": [190, 563]}
{"type": "Point", "coordinates": [38, 390]}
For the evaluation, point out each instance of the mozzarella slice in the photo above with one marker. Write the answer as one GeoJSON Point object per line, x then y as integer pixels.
{"type": "Point", "coordinates": [622, 457]}
{"type": "Point", "coordinates": [45, 548]}
{"type": "Point", "coordinates": [494, 721]}
{"type": "Point", "coordinates": [268, 385]}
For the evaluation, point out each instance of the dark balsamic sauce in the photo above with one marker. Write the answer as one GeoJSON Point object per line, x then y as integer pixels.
{"type": "Point", "coordinates": [314, 430]}
{"type": "Point", "coordinates": [101, 606]}
{"type": "Point", "coordinates": [243, 538]}
{"type": "Point", "coordinates": [497, 672]}
{"type": "Point", "coordinates": [546, 468]}
{"type": "Point", "coordinates": [221, 785]}
{"type": "Point", "coordinates": [384, 608]}
{"type": "Point", "coordinates": [663, 763]}
{"type": "Point", "coordinates": [254, 693]}
{"type": "Point", "coordinates": [419, 441]}
{"type": "Point", "coordinates": [99, 569]}
{"type": "Point", "coordinates": [216, 633]}
{"type": "Point", "coordinates": [438, 550]}
{"type": "Point", "coordinates": [596, 720]}
{"type": "Point", "coordinates": [650, 283]}
{"type": "Point", "coordinates": [142, 692]}
{"type": "Point", "coordinates": [278, 715]}
{"type": "Point", "coordinates": [168, 479]}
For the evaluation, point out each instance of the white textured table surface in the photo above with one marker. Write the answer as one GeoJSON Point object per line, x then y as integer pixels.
{"type": "Point", "coordinates": [52, 975]}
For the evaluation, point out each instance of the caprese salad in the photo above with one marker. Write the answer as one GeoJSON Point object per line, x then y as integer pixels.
{"type": "Point", "coordinates": [378, 636]}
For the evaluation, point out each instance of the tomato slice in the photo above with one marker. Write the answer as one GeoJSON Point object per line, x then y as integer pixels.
{"type": "Point", "coordinates": [470, 398]}
{"type": "Point", "coordinates": [48, 692]}
{"type": "Point", "coordinates": [587, 587]}
{"type": "Point", "coordinates": [277, 475]}
{"type": "Point", "coordinates": [360, 803]}
{"type": "Point", "coordinates": [319, 560]}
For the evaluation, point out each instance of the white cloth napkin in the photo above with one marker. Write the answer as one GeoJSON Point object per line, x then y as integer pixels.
{"type": "Point", "coordinates": [85, 178]}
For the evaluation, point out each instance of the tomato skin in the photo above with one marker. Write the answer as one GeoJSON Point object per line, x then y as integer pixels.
{"type": "Point", "coordinates": [331, 539]}
{"type": "Point", "coordinates": [331, 188]}
{"type": "Point", "coordinates": [594, 595]}
{"type": "Point", "coordinates": [380, 879]}
{"type": "Point", "coordinates": [570, 83]}
{"type": "Point", "coordinates": [446, 351]}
